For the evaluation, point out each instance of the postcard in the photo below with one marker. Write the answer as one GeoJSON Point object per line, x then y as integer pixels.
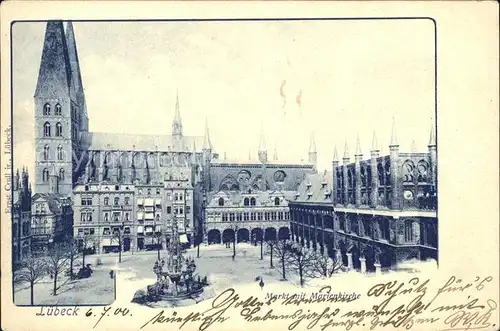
{"type": "Point", "coordinates": [249, 166]}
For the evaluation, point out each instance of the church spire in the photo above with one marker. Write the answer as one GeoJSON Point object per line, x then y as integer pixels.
{"type": "Point", "coordinates": [374, 142]}
{"type": "Point", "coordinates": [74, 62]}
{"type": "Point", "coordinates": [358, 147]}
{"type": "Point", "coordinates": [394, 138]}
{"type": "Point", "coordinates": [346, 152]}
{"type": "Point", "coordinates": [432, 138]}
{"type": "Point", "coordinates": [177, 122]}
{"type": "Point", "coordinates": [335, 154]}
{"type": "Point", "coordinates": [312, 144]}
{"type": "Point", "coordinates": [54, 77]}
{"type": "Point", "coordinates": [262, 142]}
{"type": "Point", "coordinates": [207, 144]}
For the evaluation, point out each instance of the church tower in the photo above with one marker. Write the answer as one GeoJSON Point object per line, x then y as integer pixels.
{"type": "Point", "coordinates": [59, 111]}
{"type": "Point", "coordinates": [177, 138]}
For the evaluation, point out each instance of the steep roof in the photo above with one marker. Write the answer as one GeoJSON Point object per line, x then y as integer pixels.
{"type": "Point", "coordinates": [54, 77]}
{"type": "Point", "coordinates": [313, 188]}
{"type": "Point", "coordinates": [74, 62]}
{"type": "Point", "coordinates": [138, 142]}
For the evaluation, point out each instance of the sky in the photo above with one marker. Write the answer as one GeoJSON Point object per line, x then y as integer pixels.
{"type": "Point", "coordinates": [354, 77]}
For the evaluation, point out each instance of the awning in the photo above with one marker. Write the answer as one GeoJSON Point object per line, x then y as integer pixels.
{"type": "Point", "coordinates": [149, 216]}
{"type": "Point", "coordinates": [183, 239]}
{"type": "Point", "coordinates": [149, 202]}
{"type": "Point", "coordinates": [158, 202]}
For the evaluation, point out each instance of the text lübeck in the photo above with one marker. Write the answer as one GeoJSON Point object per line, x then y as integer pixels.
{"type": "Point", "coordinates": [58, 311]}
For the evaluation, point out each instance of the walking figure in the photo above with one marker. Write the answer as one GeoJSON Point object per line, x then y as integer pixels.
{"type": "Point", "coordinates": [261, 283]}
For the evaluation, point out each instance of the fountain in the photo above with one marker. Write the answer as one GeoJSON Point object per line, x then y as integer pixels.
{"type": "Point", "coordinates": [175, 279]}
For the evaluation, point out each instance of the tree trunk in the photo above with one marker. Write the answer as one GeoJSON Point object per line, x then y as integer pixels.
{"type": "Point", "coordinates": [198, 250]}
{"type": "Point", "coordinates": [55, 282]}
{"type": "Point", "coordinates": [234, 246]}
{"type": "Point", "coordinates": [283, 264]}
{"type": "Point", "coordinates": [83, 259]}
{"type": "Point", "coordinates": [300, 275]}
{"type": "Point", "coordinates": [271, 256]}
{"type": "Point", "coordinates": [261, 249]}
{"type": "Point", "coordinates": [158, 252]}
{"type": "Point", "coordinates": [72, 257]}
{"type": "Point", "coordinates": [32, 297]}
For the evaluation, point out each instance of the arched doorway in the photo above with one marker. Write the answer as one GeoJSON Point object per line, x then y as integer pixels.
{"type": "Point", "coordinates": [370, 259]}
{"type": "Point", "coordinates": [356, 263]}
{"type": "Point", "coordinates": [213, 236]}
{"type": "Point", "coordinates": [126, 244]}
{"type": "Point", "coordinates": [228, 235]}
{"type": "Point", "coordinates": [343, 253]}
{"type": "Point", "coordinates": [270, 234]}
{"type": "Point", "coordinates": [257, 235]}
{"type": "Point", "coordinates": [283, 233]}
{"type": "Point", "coordinates": [243, 235]}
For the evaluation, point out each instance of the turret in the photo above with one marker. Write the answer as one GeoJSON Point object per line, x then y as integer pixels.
{"type": "Point", "coordinates": [433, 156]}
{"type": "Point", "coordinates": [207, 158]}
{"type": "Point", "coordinates": [394, 157]}
{"type": "Point", "coordinates": [313, 154]}
{"type": "Point", "coordinates": [345, 161]}
{"type": "Point", "coordinates": [335, 164]}
{"type": "Point", "coordinates": [358, 156]}
{"type": "Point", "coordinates": [374, 153]}
{"type": "Point", "coordinates": [262, 148]}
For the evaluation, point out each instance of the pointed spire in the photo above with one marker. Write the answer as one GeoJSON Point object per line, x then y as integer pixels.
{"type": "Point", "coordinates": [207, 144]}
{"type": "Point", "coordinates": [312, 144]}
{"type": "Point", "coordinates": [346, 151]}
{"type": "Point", "coordinates": [413, 147]}
{"type": "Point", "coordinates": [432, 138]}
{"type": "Point", "coordinates": [375, 142]}
{"type": "Point", "coordinates": [177, 111]}
{"type": "Point", "coordinates": [335, 154]}
{"type": "Point", "coordinates": [177, 122]}
{"type": "Point", "coordinates": [225, 157]}
{"type": "Point", "coordinates": [394, 138]}
{"type": "Point", "coordinates": [262, 142]}
{"type": "Point", "coordinates": [54, 77]}
{"type": "Point", "coordinates": [358, 147]}
{"type": "Point", "coordinates": [76, 77]}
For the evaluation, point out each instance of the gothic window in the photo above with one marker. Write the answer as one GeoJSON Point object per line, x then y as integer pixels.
{"type": "Point", "coordinates": [238, 216]}
{"type": "Point", "coordinates": [127, 200]}
{"type": "Point", "coordinates": [423, 168]}
{"type": "Point", "coordinates": [221, 201]}
{"type": "Point", "coordinates": [116, 201]}
{"type": "Point", "coordinates": [384, 228]}
{"type": "Point", "coordinates": [59, 153]}
{"type": "Point", "coordinates": [252, 216]}
{"type": "Point", "coordinates": [369, 176]}
{"type": "Point", "coordinates": [246, 202]}
{"type": "Point", "coordinates": [387, 173]}
{"type": "Point", "coordinates": [106, 215]}
{"type": "Point", "coordinates": [252, 202]}
{"type": "Point", "coordinates": [367, 227]}
{"type": "Point", "coordinates": [58, 110]}
{"type": "Point", "coordinates": [408, 231]}
{"type": "Point", "coordinates": [45, 175]}
{"type": "Point", "coordinates": [350, 178]}
{"type": "Point", "coordinates": [61, 174]}
{"type": "Point", "coordinates": [46, 129]}
{"type": "Point", "coordinates": [245, 216]}
{"type": "Point", "coordinates": [58, 129]}
{"type": "Point", "coordinates": [46, 152]}
{"type": "Point", "coordinates": [276, 201]}
{"type": "Point", "coordinates": [381, 177]}
{"type": "Point", "coordinates": [259, 216]}
{"type": "Point", "coordinates": [408, 171]}
{"type": "Point", "coordinates": [363, 177]}
{"type": "Point", "coordinates": [46, 109]}
{"type": "Point", "coordinates": [106, 201]}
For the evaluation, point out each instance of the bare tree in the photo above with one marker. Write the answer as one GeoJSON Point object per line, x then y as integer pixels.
{"type": "Point", "coordinates": [270, 245]}
{"type": "Point", "coordinates": [302, 261]}
{"type": "Point", "coordinates": [282, 249]}
{"type": "Point", "coordinates": [159, 237]}
{"type": "Point", "coordinates": [324, 265]}
{"type": "Point", "coordinates": [32, 269]}
{"type": "Point", "coordinates": [86, 239]}
{"type": "Point", "coordinates": [118, 237]}
{"type": "Point", "coordinates": [57, 260]}
{"type": "Point", "coordinates": [72, 250]}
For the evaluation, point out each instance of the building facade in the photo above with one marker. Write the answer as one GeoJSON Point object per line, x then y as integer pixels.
{"type": "Point", "coordinates": [385, 206]}
{"type": "Point", "coordinates": [21, 216]}
{"type": "Point", "coordinates": [312, 215]}
{"type": "Point", "coordinates": [51, 220]}
{"type": "Point", "coordinates": [247, 216]}
{"type": "Point", "coordinates": [96, 169]}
